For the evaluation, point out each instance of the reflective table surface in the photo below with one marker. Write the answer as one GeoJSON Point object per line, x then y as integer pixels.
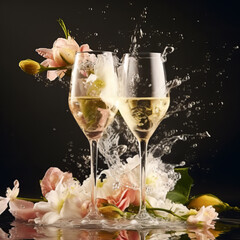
{"type": "Point", "coordinates": [225, 228]}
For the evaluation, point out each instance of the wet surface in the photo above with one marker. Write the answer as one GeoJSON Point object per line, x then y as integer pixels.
{"type": "Point", "coordinates": [225, 228]}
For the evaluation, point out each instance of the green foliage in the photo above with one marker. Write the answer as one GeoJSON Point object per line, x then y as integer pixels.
{"type": "Point", "coordinates": [180, 194]}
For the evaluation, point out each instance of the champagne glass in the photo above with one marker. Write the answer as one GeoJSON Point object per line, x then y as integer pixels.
{"type": "Point", "coordinates": [92, 101]}
{"type": "Point", "coordinates": [143, 103]}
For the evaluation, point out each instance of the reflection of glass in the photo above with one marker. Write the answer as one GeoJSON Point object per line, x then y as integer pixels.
{"type": "Point", "coordinates": [21, 230]}
{"type": "Point", "coordinates": [168, 230]}
{"type": "Point", "coordinates": [143, 103]}
{"type": "Point", "coordinates": [92, 101]}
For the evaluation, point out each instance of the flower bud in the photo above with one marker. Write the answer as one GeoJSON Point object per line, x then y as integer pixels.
{"type": "Point", "coordinates": [29, 66]}
{"type": "Point", "coordinates": [111, 212]}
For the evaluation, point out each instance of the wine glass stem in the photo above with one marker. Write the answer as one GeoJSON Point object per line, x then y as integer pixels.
{"type": "Point", "coordinates": [94, 165]}
{"type": "Point", "coordinates": [143, 143]}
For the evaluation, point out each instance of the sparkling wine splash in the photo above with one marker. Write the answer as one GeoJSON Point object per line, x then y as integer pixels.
{"type": "Point", "coordinates": [167, 50]}
{"type": "Point", "coordinates": [188, 110]}
{"type": "Point", "coordinates": [138, 34]}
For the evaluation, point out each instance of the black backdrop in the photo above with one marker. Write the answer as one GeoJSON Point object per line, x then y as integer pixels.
{"type": "Point", "coordinates": [36, 126]}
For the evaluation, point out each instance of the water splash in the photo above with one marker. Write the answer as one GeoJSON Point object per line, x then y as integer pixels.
{"type": "Point", "coordinates": [187, 103]}
{"type": "Point", "coordinates": [167, 50]}
{"type": "Point", "coordinates": [138, 34]}
{"type": "Point", "coordinates": [119, 148]}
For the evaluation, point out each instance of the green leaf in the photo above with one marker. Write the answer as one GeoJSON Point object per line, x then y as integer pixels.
{"type": "Point", "coordinates": [182, 189]}
{"type": "Point", "coordinates": [64, 28]}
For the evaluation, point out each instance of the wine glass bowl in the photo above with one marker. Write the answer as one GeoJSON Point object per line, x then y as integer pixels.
{"type": "Point", "coordinates": [143, 103]}
{"type": "Point", "coordinates": [92, 101]}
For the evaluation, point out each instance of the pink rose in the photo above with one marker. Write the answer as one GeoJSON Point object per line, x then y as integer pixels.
{"type": "Point", "coordinates": [62, 54]}
{"type": "Point", "coordinates": [205, 217]}
{"type": "Point", "coordinates": [124, 197]}
{"type": "Point", "coordinates": [51, 178]}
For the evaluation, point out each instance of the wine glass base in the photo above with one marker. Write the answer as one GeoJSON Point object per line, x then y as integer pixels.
{"type": "Point", "coordinates": [92, 219]}
{"type": "Point", "coordinates": [144, 220]}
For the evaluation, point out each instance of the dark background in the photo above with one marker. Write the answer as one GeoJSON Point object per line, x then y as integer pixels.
{"type": "Point", "coordinates": [36, 128]}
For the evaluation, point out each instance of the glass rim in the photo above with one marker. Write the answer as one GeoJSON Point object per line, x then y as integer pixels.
{"type": "Point", "coordinates": [95, 51]}
{"type": "Point", "coordinates": [143, 53]}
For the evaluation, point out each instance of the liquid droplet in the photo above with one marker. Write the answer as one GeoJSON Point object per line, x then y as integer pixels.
{"type": "Point", "coordinates": [167, 50]}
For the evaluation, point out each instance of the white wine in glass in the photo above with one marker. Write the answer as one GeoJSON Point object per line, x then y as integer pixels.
{"type": "Point", "coordinates": [143, 103]}
{"type": "Point", "coordinates": [92, 101]}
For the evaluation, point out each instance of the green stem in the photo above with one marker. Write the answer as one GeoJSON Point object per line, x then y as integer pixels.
{"type": "Point", "coordinates": [52, 68]}
{"type": "Point", "coordinates": [32, 199]}
{"type": "Point", "coordinates": [168, 211]}
{"type": "Point", "coordinates": [237, 209]}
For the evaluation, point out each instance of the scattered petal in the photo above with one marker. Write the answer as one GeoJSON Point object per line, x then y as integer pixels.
{"type": "Point", "coordinates": [22, 210]}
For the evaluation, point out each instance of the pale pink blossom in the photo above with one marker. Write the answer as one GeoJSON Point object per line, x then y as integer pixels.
{"type": "Point", "coordinates": [51, 178]}
{"type": "Point", "coordinates": [11, 195]}
{"type": "Point", "coordinates": [66, 201]}
{"type": "Point", "coordinates": [121, 197]}
{"type": "Point", "coordinates": [124, 197]}
{"type": "Point", "coordinates": [60, 55]}
{"type": "Point", "coordinates": [20, 209]}
{"type": "Point", "coordinates": [205, 217]}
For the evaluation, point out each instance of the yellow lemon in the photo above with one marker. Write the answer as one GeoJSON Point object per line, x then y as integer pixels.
{"type": "Point", "coordinates": [207, 200]}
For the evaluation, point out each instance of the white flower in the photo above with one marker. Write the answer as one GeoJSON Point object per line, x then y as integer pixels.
{"type": "Point", "coordinates": [204, 216]}
{"type": "Point", "coordinates": [10, 196]}
{"type": "Point", "coordinates": [158, 182]}
{"type": "Point", "coordinates": [177, 208]}
{"type": "Point", "coordinates": [105, 187]}
{"type": "Point", "coordinates": [66, 201]}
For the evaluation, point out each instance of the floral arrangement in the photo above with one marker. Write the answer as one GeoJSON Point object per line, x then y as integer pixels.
{"type": "Point", "coordinates": [64, 198]}
{"type": "Point", "coordinates": [59, 58]}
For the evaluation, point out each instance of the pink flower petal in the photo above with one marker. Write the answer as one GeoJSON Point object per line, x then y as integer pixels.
{"type": "Point", "coordinates": [52, 177]}
{"type": "Point", "coordinates": [63, 42]}
{"type": "Point", "coordinates": [128, 196]}
{"type": "Point", "coordinates": [3, 204]}
{"type": "Point", "coordinates": [205, 216]}
{"type": "Point", "coordinates": [51, 75]}
{"type": "Point", "coordinates": [22, 210]}
{"type": "Point", "coordinates": [3, 235]}
{"type": "Point", "coordinates": [45, 52]}
{"type": "Point", "coordinates": [128, 235]}
{"type": "Point", "coordinates": [84, 48]}
{"type": "Point", "coordinates": [123, 204]}
{"type": "Point", "coordinates": [60, 42]}
{"type": "Point", "coordinates": [21, 230]}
